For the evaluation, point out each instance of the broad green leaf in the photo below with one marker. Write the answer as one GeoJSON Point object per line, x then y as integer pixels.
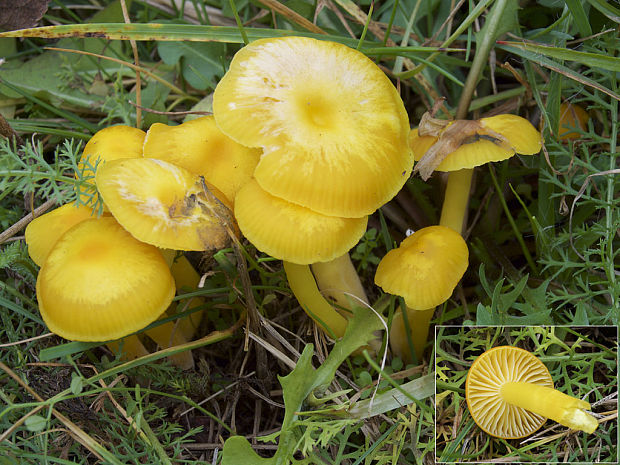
{"type": "Point", "coordinates": [77, 384]}
{"type": "Point", "coordinates": [201, 63]}
{"type": "Point", "coordinates": [35, 423]}
{"type": "Point", "coordinates": [237, 450]}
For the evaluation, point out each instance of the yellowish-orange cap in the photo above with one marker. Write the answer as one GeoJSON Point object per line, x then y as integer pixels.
{"type": "Point", "coordinates": [110, 143]}
{"type": "Point", "coordinates": [425, 268]}
{"type": "Point", "coordinates": [333, 127]}
{"type": "Point", "coordinates": [162, 204]}
{"type": "Point", "coordinates": [43, 232]}
{"type": "Point", "coordinates": [573, 116]}
{"type": "Point", "coordinates": [291, 232]}
{"type": "Point", "coordinates": [99, 283]}
{"type": "Point", "coordinates": [482, 146]}
{"type": "Point", "coordinates": [485, 378]}
{"type": "Point", "coordinates": [200, 147]}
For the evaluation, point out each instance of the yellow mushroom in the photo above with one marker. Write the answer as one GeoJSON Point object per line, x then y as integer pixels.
{"type": "Point", "coordinates": [424, 270]}
{"type": "Point", "coordinates": [332, 126]}
{"type": "Point", "coordinates": [572, 116]}
{"type": "Point", "coordinates": [98, 283]}
{"type": "Point", "coordinates": [164, 205]}
{"type": "Point", "coordinates": [200, 147]}
{"type": "Point", "coordinates": [459, 146]}
{"type": "Point", "coordinates": [298, 236]}
{"type": "Point", "coordinates": [108, 144]}
{"type": "Point", "coordinates": [333, 130]}
{"type": "Point", "coordinates": [510, 394]}
{"type": "Point", "coordinates": [43, 232]}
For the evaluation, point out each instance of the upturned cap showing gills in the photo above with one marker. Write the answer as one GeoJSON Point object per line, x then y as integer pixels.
{"type": "Point", "coordinates": [332, 126]}
{"type": "Point", "coordinates": [510, 394]}
{"type": "Point", "coordinates": [164, 205]}
{"type": "Point", "coordinates": [99, 283]}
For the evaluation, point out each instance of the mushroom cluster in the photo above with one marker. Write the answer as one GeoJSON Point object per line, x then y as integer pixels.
{"type": "Point", "coordinates": [103, 278]}
{"type": "Point", "coordinates": [333, 134]}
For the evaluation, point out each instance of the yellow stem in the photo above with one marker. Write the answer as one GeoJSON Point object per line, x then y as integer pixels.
{"type": "Point", "coordinates": [338, 280]}
{"type": "Point", "coordinates": [303, 285]}
{"type": "Point", "coordinates": [419, 322]}
{"type": "Point", "coordinates": [550, 403]}
{"type": "Point", "coordinates": [456, 198]}
{"type": "Point", "coordinates": [130, 347]}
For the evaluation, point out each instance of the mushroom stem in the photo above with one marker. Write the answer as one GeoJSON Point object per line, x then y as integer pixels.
{"type": "Point", "coordinates": [303, 285]}
{"type": "Point", "coordinates": [456, 198]}
{"type": "Point", "coordinates": [550, 403]}
{"type": "Point", "coordinates": [419, 322]}
{"type": "Point", "coordinates": [338, 280]}
{"type": "Point", "coordinates": [129, 347]}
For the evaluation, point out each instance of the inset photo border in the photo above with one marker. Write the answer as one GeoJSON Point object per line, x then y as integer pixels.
{"type": "Point", "coordinates": [582, 362]}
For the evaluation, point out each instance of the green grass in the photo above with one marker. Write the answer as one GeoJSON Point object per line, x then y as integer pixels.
{"type": "Point", "coordinates": [542, 234]}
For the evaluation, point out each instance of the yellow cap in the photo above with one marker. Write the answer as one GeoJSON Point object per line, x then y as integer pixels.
{"type": "Point", "coordinates": [333, 127]}
{"type": "Point", "coordinates": [99, 283]}
{"type": "Point", "coordinates": [200, 147]}
{"type": "Point", "coordinates": [293, 233]}
{"type": "Point", "coordinates": [164, 205]}
{"type": "Point", "coordinates": [425, 268]}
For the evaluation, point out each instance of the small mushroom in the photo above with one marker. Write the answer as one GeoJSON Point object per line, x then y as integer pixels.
{"type": "Point", "coordinates": [424, 270]}
{"type": "Point", "coordinates": [200, 147]}
{"type": "Point", "coordinates": [572, 116]}
{"type": "Point", "coordinates": [461, 145]}
{"type": "Point", "coordinates": [98, 283]}
{"type": "Point", "coordinates": [510, 394]}
{"type": "Point", "coordinates": [164, 205]}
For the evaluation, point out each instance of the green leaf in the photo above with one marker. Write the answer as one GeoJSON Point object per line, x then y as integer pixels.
{"type": "Point", "coordinates": [201, 63]}
{"type": "Point", "coordinates": [237, 450]}
{"type": "Point", "coordinates": [579, 17]}
{"type": "Point", "coordinates": [484, 317]}
{"type": "Point", "coordinates": [35, 423]}
{"type": "Point", "coordinates": [592, 60]}
{"type": "Point", "coordinates": [605, 8]}
{"type": "Point", "coordinates": [77, 384]}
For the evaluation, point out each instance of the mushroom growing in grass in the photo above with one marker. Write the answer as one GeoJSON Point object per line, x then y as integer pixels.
{"type": "Point", "coordinates": [164, 205]}
{"type": "Point", "coordinates": [510, 394]}
{"type": "Point", "coordinates": [459, 146]}
{"type": "Point", "coordinates": [572, 116]}
{"type": "Point", "coordinates": [424, 270]}
{"type": "Point", "coordinates": [298, 236]}
{"type": "Point", "coordinates": [333, 130]}
{"type": "Point", "coordinates": [200, 147]}
{"type": "Point", "coordinates": [98, 283]}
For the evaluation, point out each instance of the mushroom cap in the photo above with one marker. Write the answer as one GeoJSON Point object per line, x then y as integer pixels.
{"type": "Point", "coordinates": [162, 204]}
{"type": "Point", "coordinates": [425, 268]}
{"type": "Point", "coordinates": [521, 136]}
{"type": "Point", "coordinates": [291, 232]}
{"type": "Point", "coordinates": [485, 378]}
{"type": "Point", "coordinates": [574, 116]}
{"type": "Point", "coordinates": [44, 231]}
{"type": "Point", "coordinates": [99, 283]}
{"type": "Point", "coordinates": [200, 147]}
{"type": "Point", "coordinates": [112, 143]}
{"type": "Point", "coordinates": [108, 144]}
{"type": "Point", "coordinates": [333, 127]}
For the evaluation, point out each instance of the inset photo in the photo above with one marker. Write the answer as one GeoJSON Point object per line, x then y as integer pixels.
{"type": "Point", "coordinates": [526, 394]}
